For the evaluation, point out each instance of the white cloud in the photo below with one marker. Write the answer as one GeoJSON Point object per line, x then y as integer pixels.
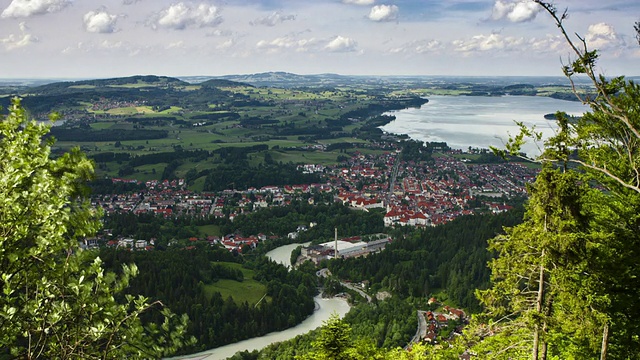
{"type": "Point", "coordinates": [106, 44]}
{"type": "Point", "coordinates": [515, 11]}
{"type": "Point", "coordinates": [100, 21]}
{"type": "Point", "coordinates": [218, 32]}
{"type": "Point", "coordinates": [602, 36]}
{"type": "Point", "coordinates": [175, 45]}
{"type": "Point", "coordinates": [272, 19]}
{"type": "Point", "coordinates": [226, 44]}
{"type": "Point", "coordinates": [130, 2]}
{"type": "Point", "coordinates": [359, 2]}
{"type": "Point", "coordinates": [92, 47]}
{"type": "Point", "coordinates": [287, 42]}
{"type": "Point", "coordinates": [341, 44]}
{"type": "Point", "coordinates": [383, 13]}
{"type": "Point", "coordinates": [180, 16]}
{"type": "Point", "coordinates": [549, 44]}
{"type": "Point", "coordinates": [110, 48]}
{"type": "Point", "coordinates": [418, 47]}
{"type": "Point", "coordinates": [26, 8]}
{"type": "Point", "coordinates": [13, 41]}
{"type": "Point", "coordinates": [493, 42]}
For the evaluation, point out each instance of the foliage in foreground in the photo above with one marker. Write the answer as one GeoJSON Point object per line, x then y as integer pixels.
{"type": "Point", "coordinates": [56, 301]}
{"type": "Point", "coordinates": [334, 343]}
{"type": "Point", "coordinates": [565, 283]}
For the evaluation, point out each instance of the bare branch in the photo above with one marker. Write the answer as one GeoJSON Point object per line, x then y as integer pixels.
{"type": "Point", "coordinates": [609, 174]}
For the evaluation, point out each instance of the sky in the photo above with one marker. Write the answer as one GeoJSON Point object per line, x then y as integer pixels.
{"type": "Point", "coordinates": [113, 38]}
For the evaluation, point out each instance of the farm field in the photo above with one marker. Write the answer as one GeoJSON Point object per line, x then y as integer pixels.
{"type": "Point", "coordinates": [198, 127]}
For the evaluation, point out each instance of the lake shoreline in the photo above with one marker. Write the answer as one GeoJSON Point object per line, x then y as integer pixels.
{"type": "Point", "coordinates": [477, 121]}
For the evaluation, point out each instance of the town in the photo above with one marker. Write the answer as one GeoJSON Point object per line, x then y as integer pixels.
{"type": "Point", "coordinates": [410, 193]}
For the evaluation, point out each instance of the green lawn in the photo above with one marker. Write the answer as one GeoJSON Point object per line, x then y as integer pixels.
{"type": "Point", "coordinates": [206, 230]}
{"type": "Point", "coordinates": [248, 290]}
{"type": "Point", "coordinates": [198, 184]}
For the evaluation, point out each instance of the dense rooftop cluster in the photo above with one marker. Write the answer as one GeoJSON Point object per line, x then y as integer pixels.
{"type": "Point", "coordinates": [410, 193]}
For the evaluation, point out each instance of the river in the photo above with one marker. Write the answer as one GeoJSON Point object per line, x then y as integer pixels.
{"type": "Point", "coordinates": [282, 254]}
{"type": "Point", "coordinates": [479, 121]}
{"type": "Point", "coordinates": [324, 309]}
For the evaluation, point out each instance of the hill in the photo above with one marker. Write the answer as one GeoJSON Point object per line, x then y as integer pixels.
{"type": "Point", "coordinates": [69, 97]}
{"type": "Point", "coordinates": [138, 81]}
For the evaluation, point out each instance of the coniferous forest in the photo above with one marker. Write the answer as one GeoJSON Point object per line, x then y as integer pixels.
{"type": "Point", "coordinates": [181, 279]}
{"type": "Point", "coordinates": [450, 258]}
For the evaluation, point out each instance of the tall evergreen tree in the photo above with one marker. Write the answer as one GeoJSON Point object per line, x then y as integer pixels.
{"type": "Point", "coordinates": [587, 270]}
{"type": "Point", "coordinates": [539, 271]}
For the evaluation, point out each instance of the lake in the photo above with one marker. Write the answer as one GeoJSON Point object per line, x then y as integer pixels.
{"type": "Point", "coordinates": [479, 121]}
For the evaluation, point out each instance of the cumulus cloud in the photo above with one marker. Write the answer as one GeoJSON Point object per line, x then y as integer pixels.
{"type": "Point", "coordinates": [341, 44]}
{"type": "Point", "coordinates": [130, 2]}
{"type": "Point", "coordinates": [515, 11]}
{"type": "Point", "coordinates": [180, 16]}
{"type": "Point", "coordinates": [27, 8]}
{"type": "Point", "coordinates": [493, 42]}
{"type": "Point", "coordinates": [13, 41]}
{"type": "Point", "coordinates": [100, 21]}
{"type": "Point", "coordinates": [359, 2]}
{"type": "Point", "coordinates": [383, 13]}
{"type": "Point", "coordinates": [602, 36]}
{"type": "Point", "coordinates": [273, 19]}
{"type": "Point", "coordinates": [550, 44]}
{"type": "Point", "coordinates": [418, 47]}
{"type": "Point", "coordinates": [286, 42]}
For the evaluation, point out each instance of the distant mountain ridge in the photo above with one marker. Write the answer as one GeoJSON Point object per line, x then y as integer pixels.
{"type": "Point", "coordinates": [284, 79]}
{"type": "Point", "coordinates": [291, 80]}
{"type": "Point", "coordinates": [281, 79]}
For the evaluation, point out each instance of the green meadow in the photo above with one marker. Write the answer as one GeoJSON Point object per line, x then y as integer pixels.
{"type": "Point", "coordinates": [248, 290]}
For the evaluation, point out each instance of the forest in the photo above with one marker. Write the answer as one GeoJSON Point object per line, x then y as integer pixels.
{"type": "Point", "coordinates": [185, 280]}
{"type": "Point", "coordinates": [240, 175]}
{"type": "Point", "coordinates": [327, 217]}
{"type": "Point", "coordinates": [450, 258]}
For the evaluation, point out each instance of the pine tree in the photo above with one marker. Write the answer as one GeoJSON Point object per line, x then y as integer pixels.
{"type": "Point", "coordinates": [592, 281]}
{"type": "Point", "coordinates": [539, 271]}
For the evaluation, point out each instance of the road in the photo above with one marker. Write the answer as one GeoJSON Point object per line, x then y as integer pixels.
{"type": "Point", "coordinates": [394, 175]}
{"type": "Point", "coordinates": [421, 332]}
